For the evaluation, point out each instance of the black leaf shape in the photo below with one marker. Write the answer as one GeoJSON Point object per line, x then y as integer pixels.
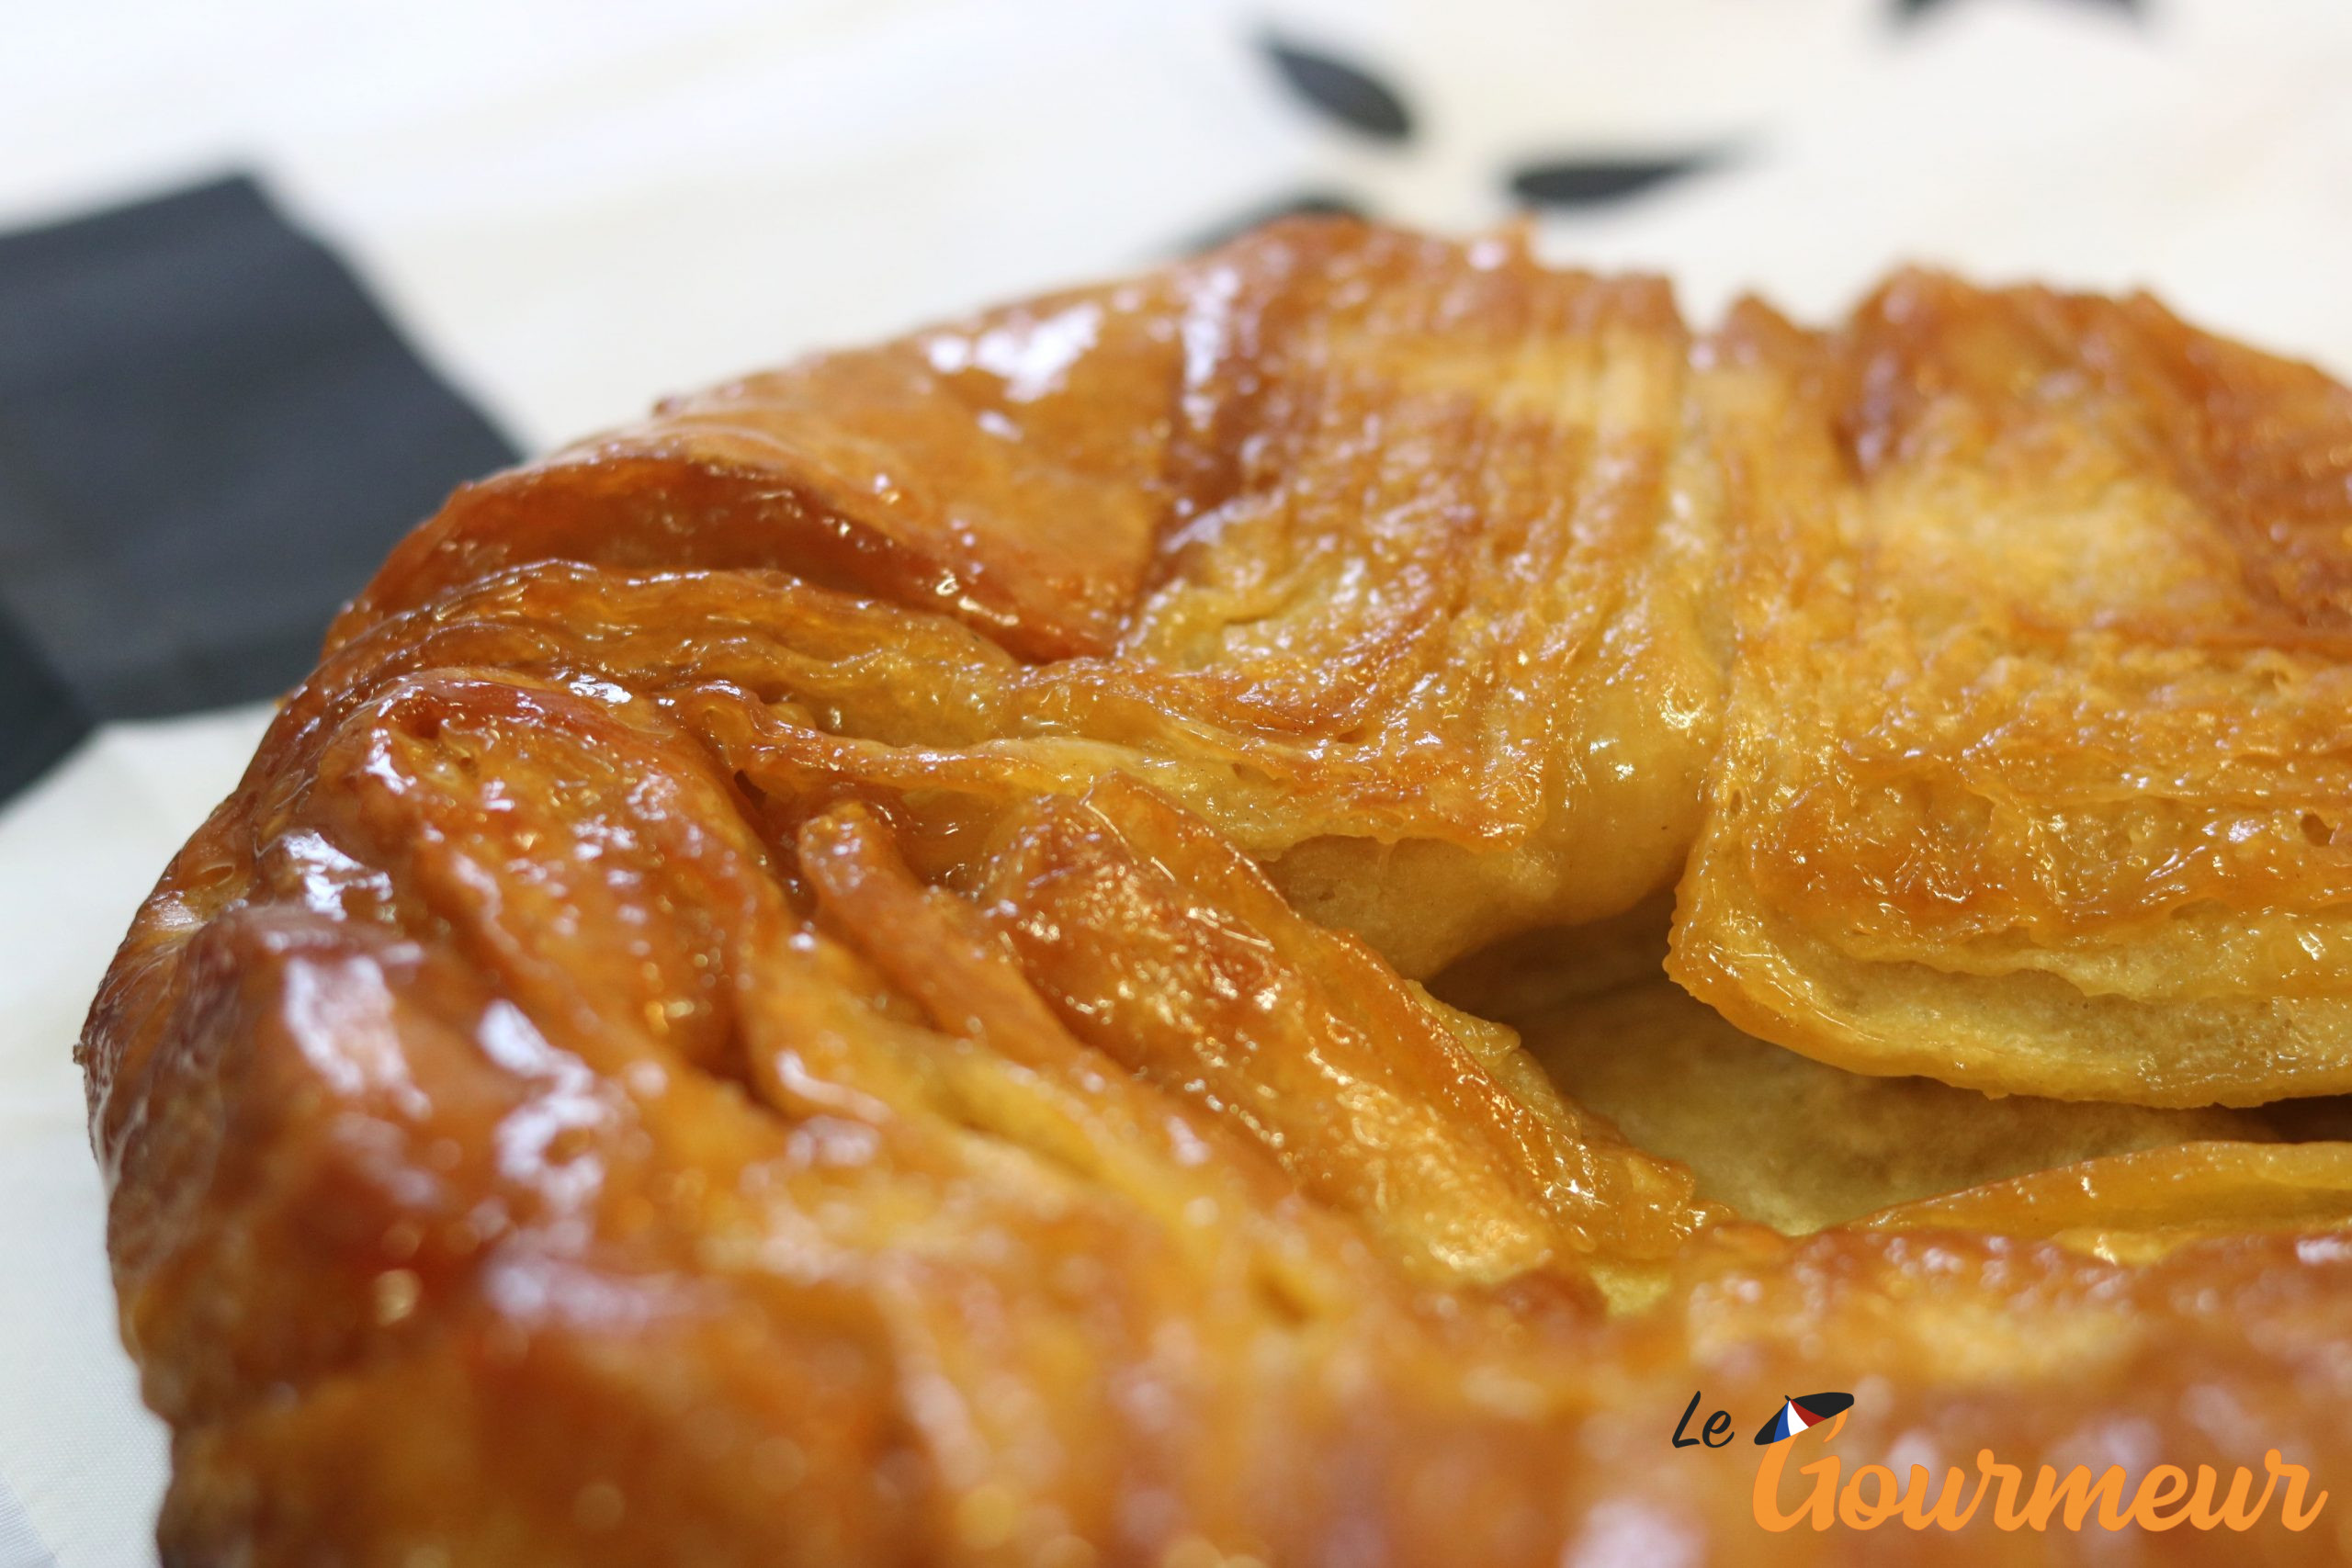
{"type": "Point", "coordinates": [1911, 10]}
{"type": "Point", "coordinates": [1589, 182]}
{"type": "Point", "coordinates": [1342, 91]}
{"type": "Point", "coordinates": [1313, 203]}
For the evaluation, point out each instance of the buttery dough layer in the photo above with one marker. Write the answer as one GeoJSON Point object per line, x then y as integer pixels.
{"type": "Point", "coordinates": [1779, 1138]}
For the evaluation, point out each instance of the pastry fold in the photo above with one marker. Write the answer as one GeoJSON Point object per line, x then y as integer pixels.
{"type": "Point", "coordinates": [2038, 738]}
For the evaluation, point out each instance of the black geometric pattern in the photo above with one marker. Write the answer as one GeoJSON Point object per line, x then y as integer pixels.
{"type": "Point", "coordinates": [1347, 94]}
{"type": "Point", "coordinates": [1589, 182]}
{"type": "Point", "coordinates": [1356, 98]}
{"type": "Point", "coordinates": [1911, 10]}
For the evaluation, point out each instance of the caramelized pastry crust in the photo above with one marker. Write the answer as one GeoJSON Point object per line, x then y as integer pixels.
{"type": "Point", "coordinates": [835, 979]}
{"type": "Point", "coordinates": [2038, 750]}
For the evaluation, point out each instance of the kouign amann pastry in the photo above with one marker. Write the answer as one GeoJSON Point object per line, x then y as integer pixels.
{"type": "Point", "coordinates": [1262, 914]}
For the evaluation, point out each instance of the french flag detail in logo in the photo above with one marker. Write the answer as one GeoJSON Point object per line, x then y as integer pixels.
{"type": "Point", "coordinates": [1808, 1410]}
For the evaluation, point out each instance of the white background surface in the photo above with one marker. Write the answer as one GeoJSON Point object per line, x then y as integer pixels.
{"type": "Point", "coordinates": [573, 208]}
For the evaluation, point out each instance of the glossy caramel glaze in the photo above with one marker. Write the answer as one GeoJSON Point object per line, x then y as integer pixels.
{"type": "Point", "coordinates": [832, 979]}
{"type": "Point", "coordinates": [2034, 776]}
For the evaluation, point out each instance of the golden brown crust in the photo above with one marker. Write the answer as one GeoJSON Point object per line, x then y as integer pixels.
{"type": "Point", "coordinates": [1366, 549]}
{"type": "Point", "coordinates": [2033, 767]}
{"type": "Point", "coordinates": [825, 981]}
